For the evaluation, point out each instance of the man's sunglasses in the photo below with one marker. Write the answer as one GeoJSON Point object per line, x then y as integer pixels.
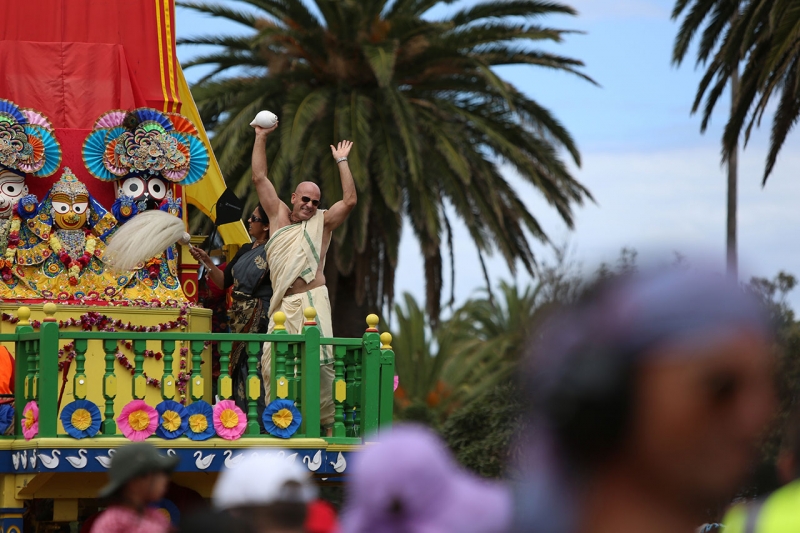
{"type": "Point", "coordinates": [255, 219]}
{"type": "Point", "coordinates": [306, 199]}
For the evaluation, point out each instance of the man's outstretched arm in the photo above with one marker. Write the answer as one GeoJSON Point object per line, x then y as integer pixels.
{"type": "Point", "coordinates": [267, 195]}
{"type": "Point", "coordinates": [339, 211]}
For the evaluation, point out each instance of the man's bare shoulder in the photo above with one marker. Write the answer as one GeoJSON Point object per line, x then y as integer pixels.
{"type": "Point", "coordinates": [280, 221]}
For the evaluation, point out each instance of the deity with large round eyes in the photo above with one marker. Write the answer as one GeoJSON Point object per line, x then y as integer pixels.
{"type": "Point", "coordinates": [12, 188]}
{"type": "Point", "coordinates": [63, 257]}
{"type": "Point", "coordinates": [28, 149]}
{"type": "Point", "coordinates": [148, 155]}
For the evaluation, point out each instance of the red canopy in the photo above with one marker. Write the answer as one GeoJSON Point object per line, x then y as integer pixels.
{"type": "Point", "coordinates": [74, 60]}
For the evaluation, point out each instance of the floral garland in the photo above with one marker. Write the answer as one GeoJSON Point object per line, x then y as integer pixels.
{"type": "Point", "coordinates": [74, 266]}
{"type": "Point", "coordinates": [102, 322]}
{"type": "Point", "coordinates": [11, 249]}
{"type": "Point", "coordinates": [67, 354]}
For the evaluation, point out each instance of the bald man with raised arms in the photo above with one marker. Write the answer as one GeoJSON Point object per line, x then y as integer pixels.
{"type": "Point", "coordinates": [296, 249]}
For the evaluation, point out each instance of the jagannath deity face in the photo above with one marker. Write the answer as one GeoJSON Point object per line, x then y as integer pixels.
{"type": "Point", "coordinates": [70, 200]}
{"type": "Point", "coordinates": [147, 191]}
{"type": "Point", "coordinates": [12, 188]}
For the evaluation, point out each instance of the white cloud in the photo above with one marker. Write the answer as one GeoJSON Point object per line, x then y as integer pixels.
{"type": "Point", "coordinates": [659, 203]}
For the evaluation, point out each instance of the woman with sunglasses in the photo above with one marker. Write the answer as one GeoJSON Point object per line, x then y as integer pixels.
{"type": "Point", "coordinates": [248, 274]}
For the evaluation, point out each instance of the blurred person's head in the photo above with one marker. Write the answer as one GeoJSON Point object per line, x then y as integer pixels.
{"type": "Point", "coordinates": [138, 475]}
{"type": "Point", "coordinates": [659, 385]}
{"type": "Point", "coordinates": [788, 462]}
{"type": "Point", "coordinates": [214, 521]}
{"type": "Point", "coordinates": [269, 492]}
{"type": "Point", "coordinates": [410, 483]}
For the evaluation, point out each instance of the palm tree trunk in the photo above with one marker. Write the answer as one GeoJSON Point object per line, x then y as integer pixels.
{"type": "Point", "coordinates": [732, 256]}
{"type": "Point", "coordinates": [733, 164]}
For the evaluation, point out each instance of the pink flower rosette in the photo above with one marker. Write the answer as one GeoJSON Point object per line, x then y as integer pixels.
{"type": "Point", "coordinates": [229, 421]}
{"type": "Point", "coordinates": [137, 420]}
{"type": "Point", "coordinates": [30, 420]}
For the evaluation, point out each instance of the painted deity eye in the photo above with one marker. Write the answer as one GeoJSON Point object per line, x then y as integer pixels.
{"type": "Point", "coordinates": [157, 188]}
{"type": "Point", "coordinates": [12, 189]}
{"type": "Point", "coordinates": [61, 207]}
{"type": "Point", "coordinates": [80, 208]}
{"type": "Point", "coordinates": [133, 187]}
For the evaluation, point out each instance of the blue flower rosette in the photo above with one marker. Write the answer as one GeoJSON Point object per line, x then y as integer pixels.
{"type": "Point", "coordinates": [281, 418]}
{"type": "Point", "coordinates": [200, 418]}
{"type": "Point", "coordinates": [6, 417]}
{"type": "Point", "coordinates": [81, 419]}
{"type": "Point", "coordinates": [173, 420]}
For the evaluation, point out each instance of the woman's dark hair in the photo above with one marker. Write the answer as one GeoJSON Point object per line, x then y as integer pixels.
{"type": "Point", "coordinates": [262, 214]}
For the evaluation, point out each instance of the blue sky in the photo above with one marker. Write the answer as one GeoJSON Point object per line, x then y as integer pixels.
{"type": "Point", "coordinates": [658, 183]}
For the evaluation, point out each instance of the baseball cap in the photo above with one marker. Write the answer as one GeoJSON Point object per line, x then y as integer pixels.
{"type": "Point", "coordinates": [262, 478]}
{"type": "Point", "coordinates": [132, 461]}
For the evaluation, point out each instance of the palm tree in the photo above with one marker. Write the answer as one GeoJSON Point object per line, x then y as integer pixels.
{"type": "Point", "coordinates": [429, 115]}
{"type": "Point", "coordinates": [766, 35]}
{"type": "Point", "coordinates": [472, 352]}
{"type": "Point", "coordinates": [715, 17]}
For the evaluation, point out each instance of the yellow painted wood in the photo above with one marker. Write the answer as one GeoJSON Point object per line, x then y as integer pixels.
{"type": "Point", "coordinates": [80, 388]}
{"type": "Point", "coordinates": [65, 510]}
{"type": "Point", "coordinates": [340, 390]}
{"type": "Point", "coordinates": [139, 386]}
{"type": "Point", "coordinates": [110, 385]}
{"type": "Point", "coordinates": [214, 442]}
{"type": "Point", "coordinates": [253, 386]}
{"type": "Point", "coordinates": [8, 492]}
{"type": "Point", "coordinates": [199, 321]}
{"type": "Point", "coordinates": [282, 388]}
{"type": "Point", "coordinates": [169, 387]}
{"type": "Point", "coordinates": [225, 387]}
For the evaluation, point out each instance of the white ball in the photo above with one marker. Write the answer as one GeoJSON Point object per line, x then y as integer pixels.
{"type": "Point", "coordinates": [265, 119]}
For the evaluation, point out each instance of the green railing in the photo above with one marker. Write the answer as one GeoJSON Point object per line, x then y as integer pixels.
{"type": "Point", "coordinates": [362, 388]}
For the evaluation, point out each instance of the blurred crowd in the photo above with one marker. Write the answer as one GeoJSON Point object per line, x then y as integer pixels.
{"type": "Point", "coordinates": [647, 402]}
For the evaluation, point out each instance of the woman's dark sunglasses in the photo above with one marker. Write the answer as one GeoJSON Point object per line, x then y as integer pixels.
{"type": "Point", "coordinates": [255, 219]}
{"type": "Point", "coordinates": [306, 199]}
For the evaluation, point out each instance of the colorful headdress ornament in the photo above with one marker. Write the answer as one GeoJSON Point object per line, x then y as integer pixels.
{"type": "Point", "coordinates": [69, 185]}
{"type": "Point", "coordinates": [145, 141]}
{"type": "Point", "coordinates": [27, 141]}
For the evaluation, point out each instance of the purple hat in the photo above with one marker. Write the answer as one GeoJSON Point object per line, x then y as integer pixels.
{"type": "Point", "coordinates": [410, 483]}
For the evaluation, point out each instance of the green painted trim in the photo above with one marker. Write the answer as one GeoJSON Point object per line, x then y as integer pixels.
{"type": "Point", "coordinates": [311, 244]}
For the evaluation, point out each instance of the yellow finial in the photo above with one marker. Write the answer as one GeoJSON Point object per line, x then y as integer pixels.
{"type": "Point", "coordinates": [24, 313]}
{"type": "Point", "coordinates": [50, 312]}
{"type": "Point", "coordinates": [386, 341]}
{"type": "Point", "coordinates": [311, 314]}
{"type": "Point", "coordinates": [372, 322]}
{"type": "Point", "coordinates": [280, 319]}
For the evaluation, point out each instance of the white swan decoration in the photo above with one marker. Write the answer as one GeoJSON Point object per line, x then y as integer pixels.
{"type": "Point", "coordinates": [24, 459]}
{"type": "Point", "coordinates": [33, 459]}
{"type": "Point", "coordinates": [291, 458]}
{"type": "Point", "coordinates": [80, 461]}
{"type": "Point", "coordinates": [105, 460]}
{"type": "Point", "coordinates": [15, 460]}
{"type": "Point", "coordinates": [341, 463]}
{"type": "Point", "coordinates": [51, 461]}
{"type": "Point", "coordinates": [315, 463]}
{"type": "Point", "coordinates": [203, 462]}
{"type": "Point", "coordinates": [230, 461]}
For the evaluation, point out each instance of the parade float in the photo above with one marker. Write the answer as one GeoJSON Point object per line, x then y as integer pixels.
{"type": "Point", "coordinates": [97, 126]}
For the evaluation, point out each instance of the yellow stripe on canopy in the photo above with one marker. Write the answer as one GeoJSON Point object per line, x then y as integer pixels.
{"type": "Point", "coordinates": [205, 193]}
